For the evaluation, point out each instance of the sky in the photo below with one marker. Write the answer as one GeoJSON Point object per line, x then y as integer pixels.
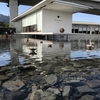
{"type": "Point", "coordinates": [76, 17]}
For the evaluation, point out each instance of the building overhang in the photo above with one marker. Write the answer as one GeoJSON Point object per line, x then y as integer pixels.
{"type": "Point", "coordinates": [66, 6]}
{"type": "Point", "coordinates": [54, 5]}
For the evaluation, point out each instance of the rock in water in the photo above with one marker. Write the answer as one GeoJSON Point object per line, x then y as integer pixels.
{"type": "Point", "coordinates": [51, 79]}
{"type": "Point", "coordinates": [13, 85]}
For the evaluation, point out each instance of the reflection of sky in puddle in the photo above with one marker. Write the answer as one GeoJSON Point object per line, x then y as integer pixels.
{"type": "Point", "coordinates": [84, 54]}
{"type": "Point", "coordinates": [21, 60]}
{"type": "Point", "coordinates": [5, 58]}
{"type": "Point", "coordinates": [48, 49]}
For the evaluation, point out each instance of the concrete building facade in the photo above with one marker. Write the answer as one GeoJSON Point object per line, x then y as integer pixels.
{"type": "Point", "coordinates": [53, 18]}
{"type": "Point", "coordinates": [47, 21]}
{"type": "Point", "coordinates": [93, 5]}
{"type": "Point", "coordinates": [48, 16]}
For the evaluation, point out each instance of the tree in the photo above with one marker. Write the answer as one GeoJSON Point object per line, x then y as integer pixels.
{"type": "Point", "coordinates": [4, 25]}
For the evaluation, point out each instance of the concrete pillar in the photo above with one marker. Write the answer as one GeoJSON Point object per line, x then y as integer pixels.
{"type": "Point", "coordinates": [73, 28]}
{"type": "Point", "coordinates": [86, 29]}
{"type": "Point", "coordinates": [90, 30]}
{"type": "Point", "coordinates": [94, 29]}
{"type": "Point", "coordinates": [99, 30]}
{"type": "Point", "coordinates": [78, 28]}
{"type": "Point", "coordinates": [46, 37]}
{"type": "Point", "coordinates": [13, 4]}
{"type": "Point", "coordinates": [82, 29]}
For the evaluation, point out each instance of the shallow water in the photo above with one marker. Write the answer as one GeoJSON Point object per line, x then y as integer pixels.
{"type": "Point", "coordinates": [12, 51]}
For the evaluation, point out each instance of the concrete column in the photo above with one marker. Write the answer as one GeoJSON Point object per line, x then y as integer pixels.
{"type": "Point", "coordinates": [13, 4]}
{"type": "Point", "coordinates": [73, 29]}
{"type": "Point", "coordinates": [86, 29]}
{"type": "Point", "coordinates": [46, 37]}
{"type": "Point", "coordinates": [94, 29]}
{"type": "Point", "coordinates": [78, 28]}
{"type": "Point", "coordinates": [99, 30]}
{"type": "Point", "coordinates": [90, 30]}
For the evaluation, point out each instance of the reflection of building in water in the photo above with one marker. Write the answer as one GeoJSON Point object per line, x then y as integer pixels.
{"type": "Point", "coordinates": [16, 51]}
{"type": "Point", "coordinates": [50, 45]}
{"type": "Point", "coordinates": [43, 49]}
{"type": "Point", "coordinates": [61, 49]}
{"type": "Point", "coordinates": [90, 46]}
{"type": "Point", "coordinates": [33, 48]}
{"type": "Point", "coordinates": [61, 45]}
{"type": "Point", "coordinates": [4, 44]}
{"type": "Point", "coordinates": [82, 44]}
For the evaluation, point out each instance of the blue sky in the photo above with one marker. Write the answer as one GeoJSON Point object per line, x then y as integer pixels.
{"type": "Point", "coordinates": [76, 17]}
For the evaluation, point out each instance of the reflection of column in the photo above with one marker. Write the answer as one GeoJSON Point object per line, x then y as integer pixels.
{"type": "Point", "coordinates": [79, 44]}
{"type": "Point", "coordinates": [89, 41]}
{"type": "Point", "coordinates": [90, 30]}
{"type": "Point", "coordinates": [66, 50]}
{"type": "Point", "coordinates": [14, 53]}
{"type": "Point", "coordinates": [39, 51]}
{"type": "Point", "coordinates": [19, 44]}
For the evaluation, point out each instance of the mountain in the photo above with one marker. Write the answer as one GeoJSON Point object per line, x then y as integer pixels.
{"type": "Point", "coordinates": [4, 18]}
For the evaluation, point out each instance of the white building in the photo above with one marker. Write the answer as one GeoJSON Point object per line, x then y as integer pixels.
{"type": "Point", "coordinates": [48, 17]}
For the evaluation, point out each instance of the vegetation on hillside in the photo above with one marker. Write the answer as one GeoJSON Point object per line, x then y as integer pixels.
{"type": "Point", "coordinates": [4, 25]}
